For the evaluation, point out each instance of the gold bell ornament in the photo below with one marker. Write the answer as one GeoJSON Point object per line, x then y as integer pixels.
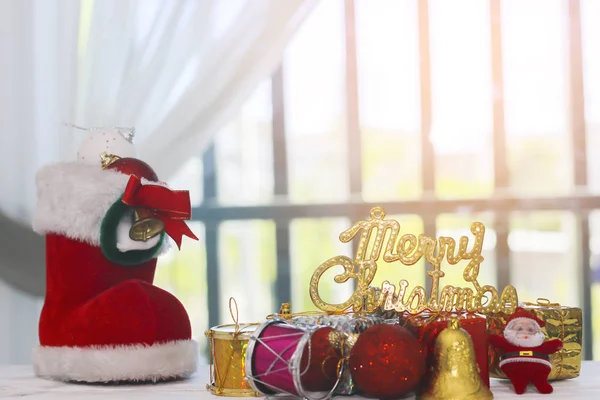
{"type": "Point", "coordinates": [145, 226]}
{"type": "Point", "coordinates": [286, 310]}
{"type": "Point", "coordinates": [455, 374]}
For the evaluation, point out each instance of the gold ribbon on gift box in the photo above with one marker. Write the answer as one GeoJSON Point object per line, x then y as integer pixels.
{"type": "Point", "coordinates": [564, 323]}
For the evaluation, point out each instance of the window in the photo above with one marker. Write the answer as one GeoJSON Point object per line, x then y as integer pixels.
{"type": "Point", "coordinates": [442, 113]}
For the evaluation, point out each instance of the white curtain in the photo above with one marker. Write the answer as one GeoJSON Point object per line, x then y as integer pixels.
{"type": "Point", "coordinates": [185, 70]}
{"type": "Point", "coordinates": [176, 70]}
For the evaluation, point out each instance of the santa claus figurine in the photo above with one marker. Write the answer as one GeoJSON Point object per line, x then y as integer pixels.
{"type": "Point", "coordinates": [106, 218]}
{"type": "Point", "coordinates": [525, 353]}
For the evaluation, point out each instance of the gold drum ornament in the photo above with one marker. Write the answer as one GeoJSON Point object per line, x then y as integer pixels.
{"type": "Point", "coordinates": [228, 345]}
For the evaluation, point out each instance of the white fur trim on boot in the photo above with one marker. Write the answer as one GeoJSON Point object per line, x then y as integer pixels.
{"type": "Point", "coordinates": [73, 197]}
{"type": "Point", "coordinates": [172, 360]}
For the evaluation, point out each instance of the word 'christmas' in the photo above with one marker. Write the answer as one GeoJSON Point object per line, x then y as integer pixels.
{"type": "Point", "coordinates": [408, 249]}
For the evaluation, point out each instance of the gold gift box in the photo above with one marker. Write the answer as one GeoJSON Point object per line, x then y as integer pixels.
{"type": "Point", "coordinates": [564, 323]}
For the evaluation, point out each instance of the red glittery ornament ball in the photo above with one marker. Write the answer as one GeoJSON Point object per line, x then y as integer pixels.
{"type": "Point", "coordinates": [387, 361]}
{"type": "Point", "coordinates": [319, 365]}
{"type": "Point", "coordinates": [133, 166]}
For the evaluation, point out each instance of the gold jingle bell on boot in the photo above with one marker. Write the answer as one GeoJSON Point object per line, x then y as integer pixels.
{"type": "Point", "coordinates": [455, 374]}
{"type": "Point", "coordinates": [145, 226]}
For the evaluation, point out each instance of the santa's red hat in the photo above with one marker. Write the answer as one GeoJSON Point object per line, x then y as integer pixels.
{"type": "Point", "coordinates": [521, 313]}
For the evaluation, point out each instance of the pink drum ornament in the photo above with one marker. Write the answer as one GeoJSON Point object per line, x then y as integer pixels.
{"type": "Point", "coordinates": [286, 359]}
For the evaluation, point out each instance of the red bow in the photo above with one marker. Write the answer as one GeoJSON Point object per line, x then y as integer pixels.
{"type": "Point", "coordinates": [172, 207]}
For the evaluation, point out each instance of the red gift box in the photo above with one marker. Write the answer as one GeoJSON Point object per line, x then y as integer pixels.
{"type": "Point", "coordinates": [427, 325]}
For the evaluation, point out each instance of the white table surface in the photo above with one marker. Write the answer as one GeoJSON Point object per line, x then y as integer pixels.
{"type": "Point", "coordinates": [19, 381]}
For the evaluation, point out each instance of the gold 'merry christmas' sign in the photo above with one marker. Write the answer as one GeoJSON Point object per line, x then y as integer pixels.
{"type": "Point", "coordinates": [408, 249]}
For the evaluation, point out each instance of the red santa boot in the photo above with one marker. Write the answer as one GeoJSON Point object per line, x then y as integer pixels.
{"type": "Point", "coordinates": [103, 320]}
{"type": "Point", "coordinates": [525, 354]}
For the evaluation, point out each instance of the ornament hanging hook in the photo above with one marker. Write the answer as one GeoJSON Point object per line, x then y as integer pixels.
{"type": "Point", "coordinates": [107, 159]}
{"type": "Point", "coordinates": [128, 133]}
{"type": "Point", "coordinates": [234, 315]}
